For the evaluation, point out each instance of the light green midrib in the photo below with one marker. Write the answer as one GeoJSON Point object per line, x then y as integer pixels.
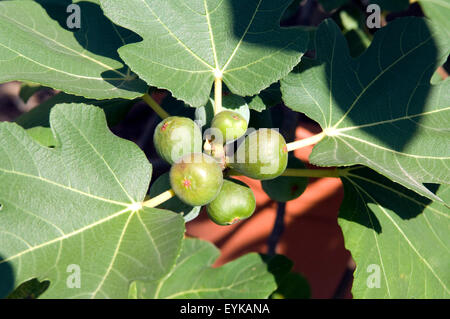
{"type": "Point", "coordinates": [66, 236]}
{"type": "Point", "coordinates": [380, 255]}
{"type": "Point", "coordinates": [19, 54]}
{"type": "Point", "coordinates": [341, 136]}
{"type": "Point", "coordinates": [242, 38]}
{"type": "Point", "coordinates": [335, 126]}
{"type": "Point", "coordinates": [397, 192]}
{"type": "Point", "coordinates": [192, 53]}
{"type": "Point", "coordinates": [217, 289]}
{"type": "Point", "coordinates": [163, 280]}
{"type": "Point", "coordinates": [107, 67]}
{"type": "Point", "coordinates": [152, 239]}
{"type": "Point", "coordinates": [211, 35]}
{"type": "Point", "coordinates": [388, 172]}
{"type": "Point", "coordinates": [114, 256]}
{"type": "Point", "coordinates": [211, 68]}
{"type": "Point", "coordinates": [65, 187]}
{"type": "Point", "coordinates": [100, 156]}
{"type": "Point", "coordinates": [401, 118]}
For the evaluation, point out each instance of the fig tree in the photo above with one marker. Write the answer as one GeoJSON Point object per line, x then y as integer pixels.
{"type": "Point", "coordinates": [232, 125]}
{"type": "Point", "coordinates": [196, 179]}
{"type": "Point", "coordinates": [175, 137]}
{"type": "Point", "coordinates": [235, 202]}
{"type": "Point", "coordinates": [262, 155]}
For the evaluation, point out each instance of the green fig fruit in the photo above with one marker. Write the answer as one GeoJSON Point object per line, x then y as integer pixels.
{"type": "Point", "coordinates": [162, 184]}
{"type": "Point", "coordinates": [196, 179]}
{"type": "Point", "coordinates": [235, 202]}
{"type": "Point", "coordinates": [232, 125]}
{"type": "Point", "coordinates": [262, 155]}
{"type": "Point", "coordinates": [175, 137]}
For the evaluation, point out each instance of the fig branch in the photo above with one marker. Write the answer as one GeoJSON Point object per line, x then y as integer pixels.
{"type": "Point", "coordinates": [155, 106]}
{"type": "Point", "coordinates": [158, 200]}
{"type": "Point", "coordinates": [301, 172]}
{"type": "Point", "coordinates": [306, 172]}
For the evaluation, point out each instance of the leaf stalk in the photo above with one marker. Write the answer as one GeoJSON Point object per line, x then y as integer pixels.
{"type": "Point", "coordinates": [217, 95]}
{"type": "Point", "coordinates": [302, 172]}
{"type": "Point", "coordinates": [306, 172]}
{"type": "Point", "coordinates": [305, 142]}
{"type": "Point", "coordinates": [155, 106]}
{"type": "Point", "coordinates": [158, 200]}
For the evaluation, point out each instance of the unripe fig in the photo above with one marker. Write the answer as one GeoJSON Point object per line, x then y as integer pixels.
{"type": "Point", "coordinates": [262, 155]}
{"type": "Point", "coordinates": [196, 179]}
{"type": "Point", "coordinates": [174, 204]}
{"type": "Point", "coordinates": [175, 137]}
{"type": "Point", "coordinates": [232, 125]}
{"type": "Point", "coordinates": [235, 202]}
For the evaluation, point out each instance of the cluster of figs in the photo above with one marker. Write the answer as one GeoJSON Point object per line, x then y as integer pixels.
{"type": "Point", "coordinates": [198, 168]}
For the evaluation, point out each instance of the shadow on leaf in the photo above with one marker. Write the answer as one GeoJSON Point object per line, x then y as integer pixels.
{"type": "Point", "coordinates": [366, 191]}
{"type": "Point", "coordinates": [6, 278]}
{"type": "Point", "coordinates": [97, 34]}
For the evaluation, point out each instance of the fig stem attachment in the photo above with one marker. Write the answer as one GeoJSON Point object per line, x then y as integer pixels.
{"type": "Point", "coordinates": [302, 172]}
{"type": "Point", "coordinates": [155, 106]}
{"type": "Point", "coordinates": [217, 95]}
{"type": "Point", "coordinates": [158, 200]}
{"type": "Point", "coordinates": [305, 142]}
{"type": "Point", "coordinates": [306, 172]}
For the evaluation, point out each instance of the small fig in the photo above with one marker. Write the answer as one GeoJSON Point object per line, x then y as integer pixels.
{"type": "Point", "coordinates": [175, 137]}
{"type": "Point", "coordinates": [235, 202]}
{"type": "Point", "coordinates": [196, 179]}
{"type": "Point", "coordinates": [232, 125]}
{"type": "Point", "coordinates": [262, 155]}
{"type": "Point", "coordinates": [162, 184]}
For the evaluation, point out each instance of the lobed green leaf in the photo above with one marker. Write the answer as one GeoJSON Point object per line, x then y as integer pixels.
{"type": "Point", "coordinates": [379, 109]}
{"type": "Point", "coordinates": [77, 206]}
{"type": "Point", "coordinates": [186, 45]}
{"type": "Point", "coordinates": [193, 277]}
{"type": "Point", "coordinates": [39, 48]}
